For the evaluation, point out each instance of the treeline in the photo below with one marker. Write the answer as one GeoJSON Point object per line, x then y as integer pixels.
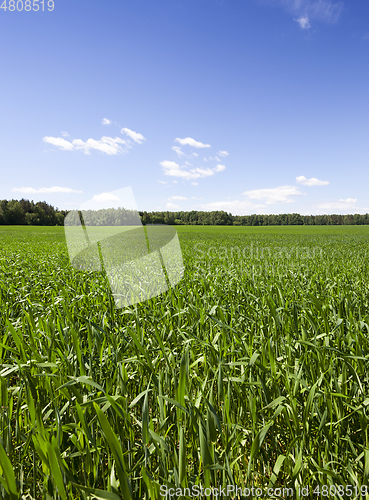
{"type": "Point", "coordinates": [221, 218]}
{"type": "Point", "coordinates": [105, 217]}
{"type": "Point", "coordinates": [27, 212]}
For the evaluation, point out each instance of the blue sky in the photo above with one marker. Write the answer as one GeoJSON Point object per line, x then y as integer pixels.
{"type": "Point", "coordinates": [248, 106]}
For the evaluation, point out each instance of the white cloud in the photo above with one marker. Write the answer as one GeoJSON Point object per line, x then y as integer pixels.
{"type": "Point", "coordinates": [163, 182]}
{"type": "Point", "coordinates": [106, 145]}
{"type": "Point", "coordinates": [313, 181]}
{"type": "Point", "coordinates": [135, 136]}
{"type": "Point", "coordinates": [105, 197]}
{"type": "Point", "coordinates": [65, 134]}
{"type": "Point", "coordinates": [59, 142]}
{"type": "Point", "coordinates": [172, 169]}
{"type": "Point", "coordinates": [281, 194]}
{"type": "Point", "coordinates": [175, 182]}
{"type": "Point", "coordinates": [178, 198]}
{"type": "Point", "coordinates": [194, 183]}
{"type": "Point", "coordinates": [223, 153]}
{"type": "Point", "coordinates": [178, 150]}
{"type": "Point", "coordinates": [189, 171]}
{"type": "Point", "coordinates": [349, 200]}
{"type": "Point", "coordinates": [219, 168]}
{"type": "Point", "coordinates": [304, 22]}
{"type": "Point", "coordinates": [114, 199]}
{"type": "Point", "coordinates": [191, 142]}
{"type": "Point", "coordinates": [53, 189]}
{"type": "Point", "coordinates": [172, 205]}
{"type": "Point", "coordinates": [105, 121]}
{"type": "Point", "coordinates": [197, 173]}
{"type": "Point", "coordinates": [169, 165]}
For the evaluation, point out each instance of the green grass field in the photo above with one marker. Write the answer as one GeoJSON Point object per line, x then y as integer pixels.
{"type": "Point", "coordinates": [253, 371]}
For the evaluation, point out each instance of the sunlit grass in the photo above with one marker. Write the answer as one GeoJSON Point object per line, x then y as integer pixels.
{"type": "Point", "coordinates": [252, 371]}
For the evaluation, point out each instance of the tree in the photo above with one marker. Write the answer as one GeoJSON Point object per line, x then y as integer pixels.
{"type": "Point", "coordinates": [15, 213]}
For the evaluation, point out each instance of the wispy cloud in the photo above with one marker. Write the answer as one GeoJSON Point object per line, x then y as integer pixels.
{"type": "Point", "coordinates": [178, 150]}
{"type": "Point", "coordinates": [281, 194]}
{"type": "Point", "coordinates": [305, 11]}
{"type": "Point", "coordinates": [163, 182]}
{"type": "Point", "coordinates": [135, 136]}
{"type": "Point", "coordinates": [53, 189]}
{"type": "Point", "coordinates": [178, 198]}
{"type": "Point", "coordinates": [192, 170]}
{"type": "Point", "coordinates": [313, 181]}
{"type": "Point", "coordinates": [194, 183]}
{"type": "Point", "coordinates": [188, 141]}
{"type": "Point", "coordinates": [172, 169]}
{"type": "Point", "coordinates": [324, 10]}
{"type": "Point", "coordinates": [223, 153]}
{"type": "Point", "coordinates": [106, 145]}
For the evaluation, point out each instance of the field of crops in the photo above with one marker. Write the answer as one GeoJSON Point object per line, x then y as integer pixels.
{"type": "Point", "coordinates": [253, 371]}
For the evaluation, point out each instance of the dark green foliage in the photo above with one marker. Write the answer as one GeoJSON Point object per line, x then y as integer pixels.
{"type": "Point", "coordinates": [253, 371]}
{"type": "Point", "coordinates": [221, 218]}
{"type": "Point", "coordinates": [25, 212]}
